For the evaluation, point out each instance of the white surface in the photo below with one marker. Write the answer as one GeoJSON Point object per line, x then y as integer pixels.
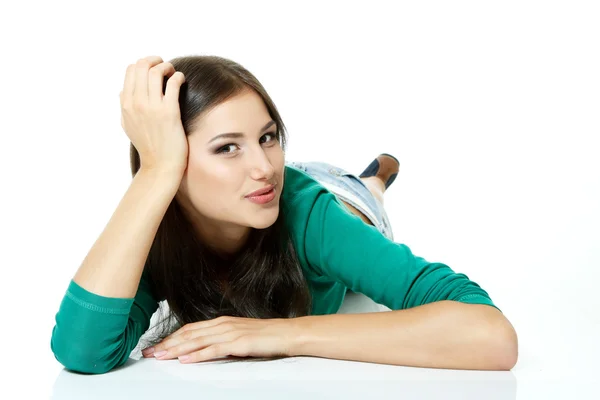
{"type": "Point", "coordinates": [550, 367]}
{"type": "Point", "coordinates": [297, 378]}
{"type": "Point", "coordinates": [491, 107]}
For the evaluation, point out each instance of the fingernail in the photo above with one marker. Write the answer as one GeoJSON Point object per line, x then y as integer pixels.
{"type": "Point", "coordinates": [183, 358]}
{"type": "Point", "coordinates": [148, 350]}
{"type": "Point", "coordinates": [160, 353]}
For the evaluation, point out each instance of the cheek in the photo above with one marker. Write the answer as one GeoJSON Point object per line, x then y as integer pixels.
{"type": "Point", "coordinates": [276, 157]}
{"type": "Point", "coordinates": [214, 186]}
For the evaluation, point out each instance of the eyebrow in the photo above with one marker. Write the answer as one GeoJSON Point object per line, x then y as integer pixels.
{"type": "Point", "coordinates": [238, 134]}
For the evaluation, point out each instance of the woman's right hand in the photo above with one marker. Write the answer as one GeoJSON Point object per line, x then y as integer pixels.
{"type": "Point", "coordinates": [151, 120]}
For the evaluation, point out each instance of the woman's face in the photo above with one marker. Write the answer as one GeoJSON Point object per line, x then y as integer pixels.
{"type": "Point", "coordinates": [223, 170]}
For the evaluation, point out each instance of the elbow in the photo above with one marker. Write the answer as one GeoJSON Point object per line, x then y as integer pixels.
{"type": "Point", "coordinates": [82, 362]}
{"type": "Point", "coordinates": [510, 354]}
{"type": "Point", "coordinates": [85, 363]}
{"type": "Point", "coordinates": [506, 345]}
{"type": "Point", "coordinates": [80, 359]}
{"type": "Point", "coordinates": [499, 340]}
{"type": "Point", "coordinates": [506, 360]}
{"type": "Point", "coordinates": [82, 366]}
{"type": "Point", "coordinates": [78, 362]}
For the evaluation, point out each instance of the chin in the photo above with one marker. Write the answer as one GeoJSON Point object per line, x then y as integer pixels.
{"type": "Point", "coordinates": [265, 221]}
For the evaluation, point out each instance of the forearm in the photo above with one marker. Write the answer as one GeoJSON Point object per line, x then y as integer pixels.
{"type": "Point", "coordinates": [114, 265]}
{"type": "Point", "coordinates": [445, 334]}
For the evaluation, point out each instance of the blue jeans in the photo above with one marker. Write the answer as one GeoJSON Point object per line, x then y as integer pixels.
{"type": "Point", "coordinates": [349, 188]}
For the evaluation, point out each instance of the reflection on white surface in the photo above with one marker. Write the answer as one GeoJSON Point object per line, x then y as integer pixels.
{"type": "Point", "coordinates": [294, 377]}
{"type": "Point", "coordinates": [558, 355]}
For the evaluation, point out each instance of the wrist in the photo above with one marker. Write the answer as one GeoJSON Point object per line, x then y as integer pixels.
{"type": "Point", "coordinates": [165, 174]}
{"type": "Point", "coordinates": [298, 338]}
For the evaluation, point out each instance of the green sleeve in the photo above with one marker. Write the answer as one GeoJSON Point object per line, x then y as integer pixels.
{"type": "Point", "coordinates": [94, 334]}
{"type": "Point", "coordinates": [340, 245]}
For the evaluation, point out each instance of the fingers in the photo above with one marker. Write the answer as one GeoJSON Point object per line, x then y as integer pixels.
{"type": "Point", "coordinates": [259, 338]}
{"type": "Point", "coordinates": [204, 324]}
{"type": "Point", "coordinates": [240, 347]}
{"type": "Point", "coordinates": [156, 76]}
{"type": "Point", "coordinates": [140, 92]}
{"type": "Point", "coordinates": [173, 87]}
{"type": "Point", "coordinates": [144, 82]}
{"type": "Point", "coordinates": [190, 346]}
{"type": "Point", "coordinates": [173, 341]}
{"type": "Point", "coordinates": [208, 353]}
{"type": "Point", "coordinates": [132, 79]}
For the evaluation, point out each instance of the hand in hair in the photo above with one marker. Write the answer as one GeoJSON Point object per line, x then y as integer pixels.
{"type": "Point", "coordinates": [150, 114]}
{"type": "Point", "coordinates": [227, 336]}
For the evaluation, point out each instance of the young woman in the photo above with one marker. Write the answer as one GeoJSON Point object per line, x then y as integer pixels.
{"type": "Point", "coordinates": [252, 255]}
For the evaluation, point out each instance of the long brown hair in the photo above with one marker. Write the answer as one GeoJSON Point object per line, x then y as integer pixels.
{"type": "Point", "coordinates": [265, 278]}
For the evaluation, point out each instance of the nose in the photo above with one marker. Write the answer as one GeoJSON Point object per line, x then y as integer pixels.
{"type": "Point", "coordinates": [261, 166]}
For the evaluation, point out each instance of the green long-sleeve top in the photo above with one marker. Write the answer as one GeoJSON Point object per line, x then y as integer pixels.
{"type": "Point", "coordinates": [336, 249]}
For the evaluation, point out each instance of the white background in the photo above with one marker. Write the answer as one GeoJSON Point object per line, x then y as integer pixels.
{"type": "Point", "coordinates": [491, 107]}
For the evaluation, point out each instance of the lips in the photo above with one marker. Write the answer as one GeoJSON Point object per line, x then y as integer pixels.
{"type": "Point", "coordinates": [261, 191]}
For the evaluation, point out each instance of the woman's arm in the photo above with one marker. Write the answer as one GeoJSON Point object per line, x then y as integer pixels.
{"type": "Point", "coordinates": [114, 265]}
{"type": "Point", "coordinates": [108, 304]}
{"type": "Point", "coordinates": [444, 334]}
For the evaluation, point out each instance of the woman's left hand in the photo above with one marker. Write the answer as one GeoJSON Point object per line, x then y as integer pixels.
{"type": "Point", "coordinates": [225, 336]}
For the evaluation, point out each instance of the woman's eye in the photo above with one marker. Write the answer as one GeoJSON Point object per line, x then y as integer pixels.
{"type": "Point", "coordinates": [222, 149]}
{"type": "Point", "coordinates": [273, 134]}
{"type": "Point", "coordinates": [225, 147]}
